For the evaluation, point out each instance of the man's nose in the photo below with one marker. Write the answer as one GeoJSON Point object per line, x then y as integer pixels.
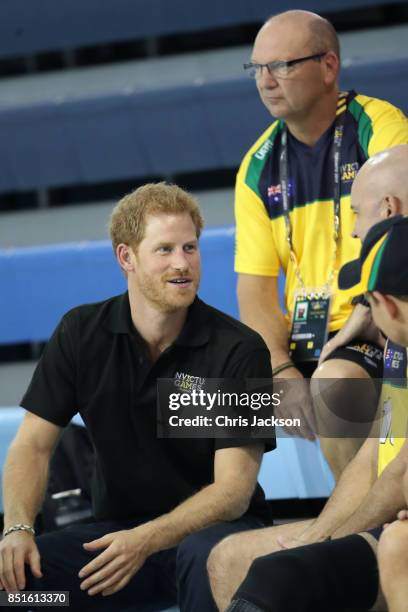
{"type": "Point", "coordinates": [179, 260]}
{"type": "Point", "coordinates": [266, 78]}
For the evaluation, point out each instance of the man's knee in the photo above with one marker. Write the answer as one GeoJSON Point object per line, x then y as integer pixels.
{"type": "Point", "coordinates": [227, 566]}
{"type": "Point", "coordinates": [221, 556]}
{"type": "Point", "coordinates": [345, 399]}
{"type": "Point", "coordinates": [393, 545]}
{"type": "Point", "coordinates": [340, 570]}
{"type": "Point", "coordinates": [268, 581]}
{"type": "Point", "coordinates": [340, 368]}
{"type": "Point", "coordinates": [236, 552]}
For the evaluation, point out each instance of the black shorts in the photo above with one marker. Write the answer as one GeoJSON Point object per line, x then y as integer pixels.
{"type": "Point", "coordinates": [368, 355]}
{"type": "Point", "coordinates": [376, 532]}
{"type": "Point", "coordinates": [342, 570]}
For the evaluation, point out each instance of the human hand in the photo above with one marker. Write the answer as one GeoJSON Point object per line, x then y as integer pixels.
{"type": "Point", "coordinates": [328, 349]}
{"type": "Point", "coordinates": [16, 549]}
{"type": "Point", "coordinates": [286, 543]}
{"type": "Point", "coordinates": [359, 324]}
{"type": "Point", "coordinates": [124, 554]}
{"type": "Point", "coordinates": [295, 403]}
{"type": "Point", "coordinates": [401, 516]}
{"type": "Point", "coordinates": [294, 542]}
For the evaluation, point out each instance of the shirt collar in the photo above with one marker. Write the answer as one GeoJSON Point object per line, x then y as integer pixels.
{"type": "Point", "coordinates": [195, 332]}
{"type": "Point", "coordinates": [118, 318]}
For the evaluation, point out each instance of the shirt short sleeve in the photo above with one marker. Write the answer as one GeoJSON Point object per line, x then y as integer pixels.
{"type": "Point", "coordinates": [252, 362]}
{"type": "Point", "coordinates": [255, 249]}
{"type": "Point", "coordinates": [51, 393]}
{"type": "Point", "coordinates": [389, 127]}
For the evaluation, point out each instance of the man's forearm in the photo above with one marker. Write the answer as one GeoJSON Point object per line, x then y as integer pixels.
{"type": "Point", "coordinates": [352, 488]}
{"type": "Point", "coordinates": [259, 309]}
{"type": "Point", "coordinates": [274, 331]}
{"type": "Point", "coordinates": [356, 325]}
{"type": "Point", "coordinates": [382, 502]}
{"type": "Point", "coordinates": [24, 484]}
{"type": "Point", "coordinates": [210, 505]}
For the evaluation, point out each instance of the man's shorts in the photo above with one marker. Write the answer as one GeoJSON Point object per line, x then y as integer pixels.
{"type": "Point", "coordinates": [368, 355]}
{"type": "Point", "coordinates": [342, 572]}
{"type": "Point", "coordinates": [376, 532]}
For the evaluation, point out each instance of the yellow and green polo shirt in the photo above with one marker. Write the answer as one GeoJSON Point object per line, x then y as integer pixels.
{"type": "Point", "coordinates": [394, 404]}
{"type": "Point", "coordinates": [370, 125]}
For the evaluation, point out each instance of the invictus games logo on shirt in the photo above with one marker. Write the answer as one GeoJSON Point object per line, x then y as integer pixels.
{"type": "Point", "coordinates": [187, 382]}
{"type": "Point", "coordinates": [372, 355]}
{"type": "Point", "coordinates": [349, 172]}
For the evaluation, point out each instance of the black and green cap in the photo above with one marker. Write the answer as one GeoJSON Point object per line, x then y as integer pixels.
{"type": "Point", "coordinates": [383, 262]}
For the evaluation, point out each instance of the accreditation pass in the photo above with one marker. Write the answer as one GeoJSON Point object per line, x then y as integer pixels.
{"type": "Point", "coordinates": [34, 598]}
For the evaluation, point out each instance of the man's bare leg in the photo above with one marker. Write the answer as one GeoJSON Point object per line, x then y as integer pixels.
{"type": "Point", "coordinates": [229, 561]}
{"type": "Point", "coordinates": [393, 564]}
{"type": "Point", "coordinates": [339, 452]}
{"type": "Point", "coordinates": [340, 573]}
{"type": "Point", "coordinates": [339, 411]}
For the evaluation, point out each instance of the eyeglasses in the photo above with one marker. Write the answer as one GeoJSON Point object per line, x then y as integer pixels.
{"type": "Point", "coordinates": [279, 68]}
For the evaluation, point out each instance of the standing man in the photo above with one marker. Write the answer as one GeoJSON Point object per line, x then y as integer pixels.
{"type": "Point", "coordinates": [293, 207]}
{"type": "Point", "coordinates": [159, 504]}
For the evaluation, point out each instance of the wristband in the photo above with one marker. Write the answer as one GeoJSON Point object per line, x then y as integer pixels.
{"type": "Point", "coordinates": [282, 366]}
{"type": "Point", "coordinates": [360, 299]}
{"type": "Point", "coordinates": [19, 527]}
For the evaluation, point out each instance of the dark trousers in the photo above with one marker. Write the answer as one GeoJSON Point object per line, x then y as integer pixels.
{"type": "Point", "coordinates": [177, 575]}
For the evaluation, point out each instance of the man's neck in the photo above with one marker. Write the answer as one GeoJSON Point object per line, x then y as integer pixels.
{"type": "Point", "coordinates": [312, 126]}
{"type": "Point", "coordinates": [158, 329]}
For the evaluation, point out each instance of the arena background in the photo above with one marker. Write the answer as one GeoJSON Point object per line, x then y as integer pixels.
{"type": "Point", "coordinates": [100, 96]}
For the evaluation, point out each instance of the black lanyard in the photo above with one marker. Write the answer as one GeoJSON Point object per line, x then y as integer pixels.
{"type": "Point", "coordinates": [283, 172]}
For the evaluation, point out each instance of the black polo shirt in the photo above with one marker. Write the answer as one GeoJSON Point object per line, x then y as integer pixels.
{"type": "Point", "coordinates": [97, 364]}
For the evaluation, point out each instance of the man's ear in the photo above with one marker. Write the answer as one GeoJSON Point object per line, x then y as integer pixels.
{"type": "Point", "coordinates": [388, 302]}
{"type": "Point", "coordinates": [391, 205]}
{"type": "Point", "coordinates": [124, 255]}
{"type": "Point", "coordinates": [332, 67]}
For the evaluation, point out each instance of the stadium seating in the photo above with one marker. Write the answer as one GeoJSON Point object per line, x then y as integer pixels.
{"type": "Point", "coordinates": [30, 27]}
{"type": "Point", "coordinates": [122, 122]}
{"type": "Point", "coordinates": [46, 281]}
{"type": "Point", "coordinates": [88, 221]}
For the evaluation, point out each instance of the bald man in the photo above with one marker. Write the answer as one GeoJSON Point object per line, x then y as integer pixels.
{"type": "Point", "coordinates": [393, 545]}
{"type": "Point", "coordinates": [293, 210]}
{"type": "Point", "coordinates": [371, 201]}
{"type": "Point", "coordinates": [368, 494]}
